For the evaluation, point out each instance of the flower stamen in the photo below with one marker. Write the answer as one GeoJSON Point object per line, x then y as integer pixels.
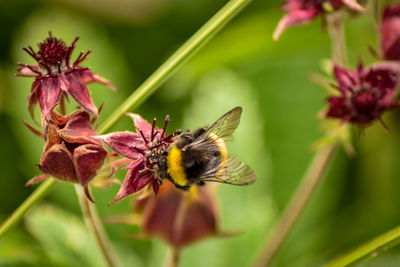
{"type": "Point", "coordinates": [165, 126]}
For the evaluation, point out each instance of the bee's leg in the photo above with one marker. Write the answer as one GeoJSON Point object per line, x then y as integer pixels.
{"type": "Point", "coordinates": [182, 187]}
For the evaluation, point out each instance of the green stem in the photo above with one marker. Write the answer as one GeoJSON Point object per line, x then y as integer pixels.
{"type": "Point", "coordinates": [198, 39]}
{"type": "Point", "coordinates": [369, 249]}
{"type": "Point", "coordinates": [16, 216]}
{"type": "Point", "coordinates": [173, 257]}
{"type": "Point", "coordinates": [298, 203]}
{"type": "Point", "coordinates": [145, 90]}
{"type": "Point", "coordinates": [317, 168]}
{"type": "Point", "coordinates": [335, 26]}
{"type": "Point", "coordinates": [94, 224]}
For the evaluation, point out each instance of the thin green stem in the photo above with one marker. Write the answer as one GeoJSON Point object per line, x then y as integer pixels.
{"type": "Point", "coordinates": [173, 257]}
{"type": "Point", "coordinates": [297, 204]}
{"type": "Point", "coordinates": [335, 27]}
{"type": "Point", "coordinates": [94, 224]}
{"type": "Point", "coordinates": [37, 195]}
{"type": "Point", "coordinates": [369, 249]}
{"type": "Point", "coordinates": [176, 60]}
{"type": "Point", "coordinates": [317, 167]}
{"type": "Point", "coordinates": [144, 91]}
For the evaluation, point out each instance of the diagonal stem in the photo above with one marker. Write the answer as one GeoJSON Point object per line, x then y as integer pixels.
{"type": "Point", "coordinates": [208, 30]}
{"type": "Point", "coordinates": [297, 204]}
{"type": "Point", "coordinates": [192, 45]}
{"type": "Point", "coordinates": [36, 196]}
{"type": "Point", "coordinates": [370, 249]}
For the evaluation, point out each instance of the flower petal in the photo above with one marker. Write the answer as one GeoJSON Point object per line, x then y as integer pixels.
{"type": "Point", "coordinates": [199, 219]}
{"type": "Point", "coordinates": [33, 98]}
{"type": "Point", "coordinates": [88, 159]}
{"type": "Point", "coordinates": [160, 213]}
{"type": "Point", "coordinates": [37, 179]}
{"type": "Point", "coordinates": [390, 32]}
{"type": "Point", "coordinates": [353, 4]}
{"type": "Point", "coordinates": [79, 130]}
{"type": "Point", "coordinates": [80, 93]}
{"type": "Point", "coordinates": [33, 130]}
{"type": "Point", "coordinates": [141, 124]}
{"type": "Point", "coordinates": [382, 79]}
{"type": "Point", "coordinates": [57, 162]}
{"type": "Point", "coordinates": [89, 77]}
{"type": "Point", "coordinates": [180, 217]}
{"type": "Point", "coordinates": [28, 69]}
{"type": "Point", "coordinates": [294, 17]}
{"type": "Point", "coordinates": [49, 95]}
{"type": "Point", "coordinates": [124, 143]}
{"type": "Point", "coordinates": [134, 181]}
{"type": "Point", "coordinates": [345, 78]}
{"type": "Point", "coordinates": [51, 136]}
{"type": "Point", "coordinates": [338, 108]}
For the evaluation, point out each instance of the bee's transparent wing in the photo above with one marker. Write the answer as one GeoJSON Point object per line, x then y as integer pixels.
{"type": "Point", "coordinates": [225, 126]}
{"type": "Point", "coordinates": [235, 172]}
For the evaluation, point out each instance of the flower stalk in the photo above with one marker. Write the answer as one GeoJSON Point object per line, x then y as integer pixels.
{"type": "Point", "coordinates": [317, 167]}
{"type": "Point", "coordinates": [172, 259]}
{"type": "Point", "coordinates": [335, 28]}
{"type": "Point", "coordinates": [298, 203]}
{"type": "Point", "coordinates": [205, 33]}
{"type": "Point", "coordinates": [94, 224]}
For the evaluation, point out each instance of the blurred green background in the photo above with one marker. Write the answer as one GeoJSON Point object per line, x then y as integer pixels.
{"type": "Point", "coordinates": [242, 66]}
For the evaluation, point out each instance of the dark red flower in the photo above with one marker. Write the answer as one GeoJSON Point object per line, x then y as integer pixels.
{"type": "Point", "coordinates": [364, 94]}
{"type": "Point", "coordinates": [56, 76]}
{"type": "Point", "coordinates": [144, 148]}
{"type": "Point", "coordinates": [179, 217]}
{"type": "Point", "coordinates": [390, 32]}
{"type": "Point", "coordinates": [71, 153]}
{"type": "Point", "coordinates": [303, 11]}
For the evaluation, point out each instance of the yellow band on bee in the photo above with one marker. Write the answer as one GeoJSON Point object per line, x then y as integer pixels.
{"type": "Point", "coordinates": [222, 149]}
{"type": "Point", "coordinates": [175, 168]}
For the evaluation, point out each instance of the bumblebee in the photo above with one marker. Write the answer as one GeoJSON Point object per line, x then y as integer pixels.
{"type": "Point", "coordinates": [201, 156]}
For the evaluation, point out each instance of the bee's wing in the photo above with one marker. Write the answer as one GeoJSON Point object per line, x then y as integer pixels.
{"type": "Point", "coordinates": [235, 172]}
{"type": "Point", "coordinates": [224, 126]}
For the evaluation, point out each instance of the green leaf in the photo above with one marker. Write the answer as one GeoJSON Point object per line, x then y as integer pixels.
{"type": "Point", "coordinates": [64, 237]}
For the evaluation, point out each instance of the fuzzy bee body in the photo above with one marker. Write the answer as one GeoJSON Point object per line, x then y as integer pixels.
{"type": "Point", "coordinates": [200, 156]}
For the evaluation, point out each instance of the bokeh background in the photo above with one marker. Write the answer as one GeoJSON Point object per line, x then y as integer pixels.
{"type": "Point", "coordinates": [241, 65]}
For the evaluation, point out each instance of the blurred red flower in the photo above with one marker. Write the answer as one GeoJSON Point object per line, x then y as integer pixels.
{"type": "Point", "coordinates": [303, 11]}
{"type": "Point", "coordinates": [179, 217]}
{"type": "Point", "coordinates": [364, 94]}
{"type": "Point", "coordinates": [390, 32]}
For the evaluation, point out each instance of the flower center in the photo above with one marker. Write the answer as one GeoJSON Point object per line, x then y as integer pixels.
{"type": "Point", "coordinates": [52, 52]}
{"type": "Point", "coordinates": [364, 101]}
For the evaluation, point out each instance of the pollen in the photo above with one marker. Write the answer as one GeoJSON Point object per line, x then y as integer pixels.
{"type": "Point", "coordinates": [175, 168]}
